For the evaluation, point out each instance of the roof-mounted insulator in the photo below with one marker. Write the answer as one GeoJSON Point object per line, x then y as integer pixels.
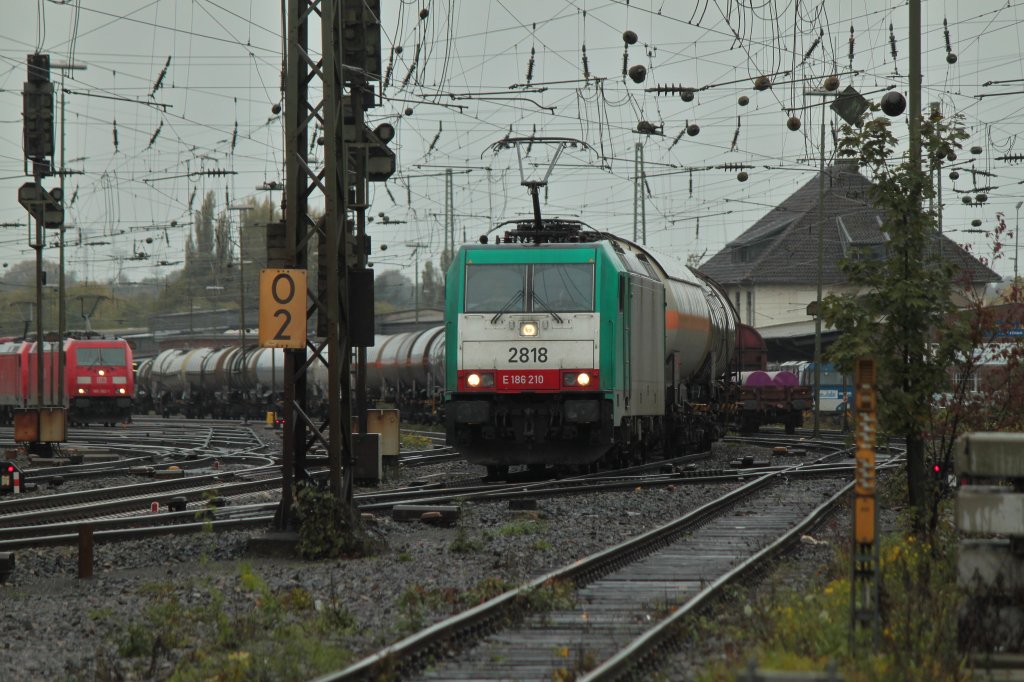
{"type": "Point", "coordinates": [586, 64]}
{"type": "Point", "coordinates": [529, 65]}
{"type": "Point", "coordinates": [852, 41]}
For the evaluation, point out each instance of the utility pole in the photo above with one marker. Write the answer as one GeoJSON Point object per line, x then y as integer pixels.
{"type": "Point", "coordinates": [416, 246]}
{"type": "Point", "coordinates": [353, 155]}
{"type": "Point", "coordinates": [241, 282]}
{"type": "Point", "coordinates": [639, 196]}
{"type": "Point", "coordinates": [821, 260]}
{"type": "Point", "coordinates": [39, 427]}
{"type": "Point", "coordinates": [449, 216]}
{"type": "Point", "coordinates": [1016, 242]}
{"type": "Point", "coordinates": [914, 102]}
{"type": "Point", "coordinates": [61, 285]}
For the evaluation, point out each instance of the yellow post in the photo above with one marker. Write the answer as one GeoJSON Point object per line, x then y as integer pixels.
{"type": "Point", "coordinates": [864, 586]}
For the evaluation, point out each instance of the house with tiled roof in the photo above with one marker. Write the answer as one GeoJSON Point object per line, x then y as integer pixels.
{"type": "Point", "coordinates": [770, 271]}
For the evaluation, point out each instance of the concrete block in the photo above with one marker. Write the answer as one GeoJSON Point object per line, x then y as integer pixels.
{"type": "Point", "coordinates": [990, 509]}
{"type": "Point", "coordinates": [988, 454]}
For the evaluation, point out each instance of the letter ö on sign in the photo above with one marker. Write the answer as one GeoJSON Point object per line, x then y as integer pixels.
{"type": "Point", "coordinates": [282, 308]}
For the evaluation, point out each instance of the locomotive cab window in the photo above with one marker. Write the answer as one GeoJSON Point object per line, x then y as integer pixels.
{"type": "Point", "coordinates": [562, 287]}
{"type": "Point", "coordinates": [495, 288]}
{"type": "Point", "coordinates": [519, 288]}
{"type": "Point", "coordinates": [96, 357]}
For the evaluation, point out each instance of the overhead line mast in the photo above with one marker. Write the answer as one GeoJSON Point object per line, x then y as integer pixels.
{"type": "Point", "coordinates": [342, 296]}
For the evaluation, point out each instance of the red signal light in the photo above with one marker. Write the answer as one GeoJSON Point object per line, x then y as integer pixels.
{"type": "Point", "coordinates": [10, 468]}
{"type": "Point", "coordinates": [936, 468]}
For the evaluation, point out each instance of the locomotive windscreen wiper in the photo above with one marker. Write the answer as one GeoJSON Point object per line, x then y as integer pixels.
{"type": "Point", "coordinates": [516, 297]}
{"type": "Point", "coordinates": [546, 307]}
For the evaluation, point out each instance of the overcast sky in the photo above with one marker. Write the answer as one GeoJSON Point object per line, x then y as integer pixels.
{"type": "Point", "coordinates": [468, 87]}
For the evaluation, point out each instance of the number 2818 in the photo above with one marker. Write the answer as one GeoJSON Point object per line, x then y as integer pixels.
{"type": "Point", "coordinates": [523, 354]}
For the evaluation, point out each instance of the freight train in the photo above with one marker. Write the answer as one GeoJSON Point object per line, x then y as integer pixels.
{"type": "Point", "coordinates": [99, 383]}
{"type": "Point", "coordinates": [223, 382]}
{"type": "Point", "coordinates": [405, 370]}
{"type": "Point", "coordinates": [560, 346]}
{"type": "Point", "coordinates": [569, 346]}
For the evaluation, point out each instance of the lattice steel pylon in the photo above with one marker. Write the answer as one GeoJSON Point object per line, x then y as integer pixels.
{"type": "Point", "coordinates": [337, 234]}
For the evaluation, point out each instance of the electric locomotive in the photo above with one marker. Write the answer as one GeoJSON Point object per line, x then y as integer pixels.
{"type": "Point", "coordinates": [566, 346]}
{"type": "Point", "coordinates": [98, 380]}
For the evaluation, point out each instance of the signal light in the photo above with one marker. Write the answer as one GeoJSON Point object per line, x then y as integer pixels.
{"type": "Point", "coordinates": [385, 132]}
{"type": "Point", "coordinates": [10, 468]}
{"type": "Point", "coordinates": [936, 468]}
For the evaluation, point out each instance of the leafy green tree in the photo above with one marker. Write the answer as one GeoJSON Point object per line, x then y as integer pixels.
{"type": "Point", "coordinates": [431, 287]}
{"type": "Point", "coordinates": [394, 288]}
{"type": "Point", "coordinates": [903, 315]}
{"type": "Point", "coordinates": [200, 250]}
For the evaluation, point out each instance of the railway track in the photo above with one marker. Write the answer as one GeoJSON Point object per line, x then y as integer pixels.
{"type": "Point", "coordinates": [624, 602]}
{"type": "Point", "coordinates": [122, 512]}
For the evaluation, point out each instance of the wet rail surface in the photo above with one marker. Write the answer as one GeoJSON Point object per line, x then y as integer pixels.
{"type": "Point", "coordinates": [616, 595]}
{"type": "Point", "coordinates": [613, 610]}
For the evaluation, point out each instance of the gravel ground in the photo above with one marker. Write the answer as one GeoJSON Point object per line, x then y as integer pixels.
{"type": "Point", "coordinates": [58, 627]}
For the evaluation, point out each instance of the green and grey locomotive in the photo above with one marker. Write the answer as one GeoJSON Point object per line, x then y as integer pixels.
{"type": "Point", "coordinates": [567, 346]}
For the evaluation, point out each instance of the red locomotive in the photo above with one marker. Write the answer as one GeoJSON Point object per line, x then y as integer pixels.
{"type": "Point", "coordinates": [98, 379]}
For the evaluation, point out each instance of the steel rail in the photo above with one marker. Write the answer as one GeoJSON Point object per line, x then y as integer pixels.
{"type": "Point", "coordinates": [637, 653]}
{"type": "Point", "coordinates": [404, 653]}
{"type": "Point", "coordinates": [105, 533]}
{"type": "Point", "coordinates": [139, 501]}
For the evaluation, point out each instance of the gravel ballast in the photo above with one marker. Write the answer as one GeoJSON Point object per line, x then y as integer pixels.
{"type": "Point", "coordinates": [59, 627]}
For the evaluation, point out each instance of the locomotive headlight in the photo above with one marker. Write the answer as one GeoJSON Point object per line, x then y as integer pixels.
{"type": "Point", "coordinates": [480, 380]}
{"type": "Point", "coordinates": [583, 379]}
{"type": "Point", "coordinates": [528, 329]}
{"type": "Point", "coordinates": [121, 391]}
{"type": "Point", "coordinates": [102, 373]}
{"type": "Point", "coordinates": [81, 391]}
